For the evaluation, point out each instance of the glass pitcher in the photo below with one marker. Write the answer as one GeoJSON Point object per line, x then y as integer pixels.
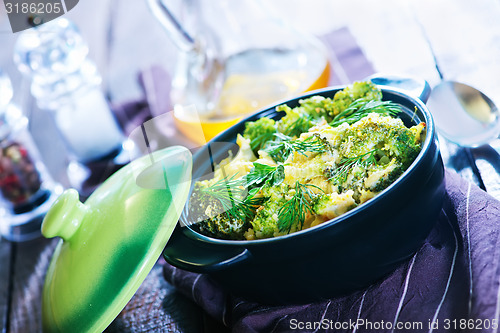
{"type": "Point", "coordinates": [235, 57]}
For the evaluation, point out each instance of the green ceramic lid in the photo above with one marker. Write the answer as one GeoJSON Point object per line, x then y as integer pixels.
{"type": "Point", "coordinates": [111, 242]}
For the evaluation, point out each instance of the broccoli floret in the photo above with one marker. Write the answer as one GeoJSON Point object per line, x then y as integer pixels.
{"type": "Point", "coordinates": [198, 203]}
{"type": "Point", "coordinates": [317, 107]}
{"type": "Point", "coordinates": [332, 205]}
{"type": "Point", "coordinates": [381, 175]}
{"type": "Point", "coordinates": [404, 145]}
{"type": "Point", "coordinates": [224, 227]}
{"type": "Point", "coordinates": [211, 218]}
{"type": "Point", "coordinates": [259, 132]}
{"type": "Point", "coordinates": [295, 122]}
{"type": "Point", "coordinates": [313, 109]}
{"type": "Point", "coordinates": [386, 176]}
{"type": "Point", "coordinates": [310, 111]}
{"type": "Point", "coordinates": [359, 90]}
{"type": "Point", "coordinates": [365, 89]}
{"type": "Point", "coordinates": [265, 223]}
{"type": "Point", "coordinates": [392, 145]}
{"type": "Point", "coordinates": [389, 135]}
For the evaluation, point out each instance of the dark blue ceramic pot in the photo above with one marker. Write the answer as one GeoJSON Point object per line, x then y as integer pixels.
{"type": "Point", "coordinates": [334, 258]}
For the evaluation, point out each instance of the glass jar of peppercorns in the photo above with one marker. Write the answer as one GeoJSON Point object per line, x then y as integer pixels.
{"type": "Point", "coordinates": [26, 189]}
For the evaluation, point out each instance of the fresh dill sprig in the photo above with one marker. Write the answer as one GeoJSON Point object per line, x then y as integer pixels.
{"type": "Point", "coordinates": [361, 108]}
{"type": "Point", "coordinates": [284, 146]}
{"type": "Point", "coordinates": [260, 140]}
{"type": "Point", "coordinates": [229, 192]}
{"type": "Point", "coordinates": [237, 195]}
{"type": "Point", "coordinates": [245, 209]}
{"type": "Point", "coordinates": [364, 160]}
{"type": "Point", "coordinates": [262, 174]}
{"type": "Point", "coordinates": [227, 186]}
{"type": "Point", "coordinates": [302, 125]}
{"type": "Point", "coordinates": [294, 210]}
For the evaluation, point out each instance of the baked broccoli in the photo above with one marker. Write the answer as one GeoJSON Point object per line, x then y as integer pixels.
{"type": "Point", "coordinates": [375, 151]}
{"type": "Point", "coordinates": [381, 176]}
{"type": "Point", "coordinates": [311, 110]}
{"type": "Point", "coordinates": [211, 216]}
{"type": "Point", "coordinates": [334, 204]}
{"type": "Point", "coordinates": [365, 90]}
{"type": "Point", "coordinates": [223, 226]}
{"type": "Point", "coordinates": [387, 134]}
{"type": "Point", "coordinates": [259, 132]}
{"type": "Point", "coordinates": [295, 122]}
{"type": "Point", "coordinates": [265, 224]}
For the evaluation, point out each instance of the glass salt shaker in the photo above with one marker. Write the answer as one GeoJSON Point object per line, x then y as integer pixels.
{"type": "Point", "coordinates": [26, 189]}
{"type": "Point", "coordinates": [66, 82]}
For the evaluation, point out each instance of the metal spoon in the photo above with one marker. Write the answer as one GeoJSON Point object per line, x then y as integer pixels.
{"type": "Point", "coordinates": [463, 114]}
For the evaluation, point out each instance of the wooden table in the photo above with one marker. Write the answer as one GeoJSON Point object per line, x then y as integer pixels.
{"type": "Point", "coordinates": [455, 39]}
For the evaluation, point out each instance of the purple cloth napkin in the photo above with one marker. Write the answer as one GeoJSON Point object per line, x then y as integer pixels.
{"type": "Point", "coordinates": [451, 282]}
{"type": "Point", "coordinates": [347, 60]}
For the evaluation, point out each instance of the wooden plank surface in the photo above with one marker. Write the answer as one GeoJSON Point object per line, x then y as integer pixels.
{"type": "Point", "coordinates": [5, 266]}
{"type": "Point", "coordinates": [487, 160]}
{"type": "Point", "coordinates": [31, 262]}
{"type": "Point", "coordinates": [158, 307]}
{"type": "Point", "coordinates": [155, 307]}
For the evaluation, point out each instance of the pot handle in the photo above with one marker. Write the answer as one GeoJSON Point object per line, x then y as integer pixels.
{"type": "Point", "coordinates": [414, 87]}
{"type": "Point", "coordinates": [195, 255]}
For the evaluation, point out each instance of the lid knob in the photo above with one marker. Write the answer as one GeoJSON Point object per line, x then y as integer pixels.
{"type": "Point", "coordinates": [65, 216]}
